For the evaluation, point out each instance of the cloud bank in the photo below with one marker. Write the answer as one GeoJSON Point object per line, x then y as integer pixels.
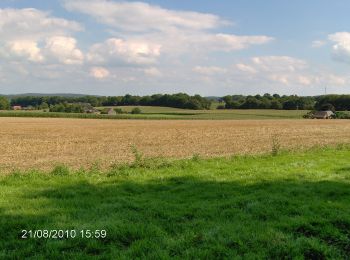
{"type": "Point", "coordinates": [145, 48]}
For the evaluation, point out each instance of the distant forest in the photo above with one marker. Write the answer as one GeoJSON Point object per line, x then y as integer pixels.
{"type": "Point", "coordinates": [179, 100]}
{"type": "Point", "coordinates": [182, 100]}
{"type": "Point", "coordinates": [293, 102]}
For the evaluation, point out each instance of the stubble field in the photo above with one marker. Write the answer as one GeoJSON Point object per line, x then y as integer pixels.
{"type": "Point", "coordinates": [42, 143]}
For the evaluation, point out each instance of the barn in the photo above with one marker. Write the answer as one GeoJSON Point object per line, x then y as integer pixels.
{"type": "Point", "coordinates": [16, 107]}
{"type": "Point", "coordinates": [324, 114]}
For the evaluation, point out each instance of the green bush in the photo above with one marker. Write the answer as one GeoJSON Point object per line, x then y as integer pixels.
{"type": "Point", "coordinates": [104, 111]}
{"type": "Point", "coordinates": [309, 115]}
{"type": "Point", "coordinates": [342, 115]}
{"type": "Point", "coordinates": [136, 110]}
{"type": "Point", "coordinates": [67, 108]}
{"type": "Point", "coordinates": [119, 111]}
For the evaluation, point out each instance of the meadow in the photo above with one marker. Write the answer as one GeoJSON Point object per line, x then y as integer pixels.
{"type": "Point", "coordinates": [149, 112]}
{"type": "Point", "coordinates": [294, 205]}
{"type": "Point", "coordinates": [42, 143]}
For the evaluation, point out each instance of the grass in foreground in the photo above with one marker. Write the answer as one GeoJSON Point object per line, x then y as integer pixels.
{"type": "Point", "coordinates": [293, 205]}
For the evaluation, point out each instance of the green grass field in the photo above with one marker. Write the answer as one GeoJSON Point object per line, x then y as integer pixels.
{"type": "Point", "coordinates": [293, 205]}
{"type": "Point", "coordinates": [220, 114]}
{"type": "Point", "coordinates": [149, 112]}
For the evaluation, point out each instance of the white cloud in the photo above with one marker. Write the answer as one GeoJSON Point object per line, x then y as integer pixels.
{"type": "Point", "coordinates": [280, 69]}
{"type": "Point", "coordinates": [246, 68]}
{"type": "Point", "coordinates": [99, 72]}
{"type": "Point", "coordinates": [177, 32]}
{"type": "Point", "coordinates": [341, 48]}
{"type": "Point", "coordinates": [288, 71]}
{"type": "Point", "coordinates": [147, 37]}
{"type": "Point", "coordinates": [56, 49]}
{"type": "Point", "coordinates": [336, 80]}
{"type": "Point", "coordinates": [318, 44]}
{"type": "Point", "coordinates": [229, 42]}
{"type": "Point", "coordinates": [114, 51]}
{"type": "Point", "coordinates": [274, 71]}
{"type": "Point", "coordinates": [143, 17]}
{"type": "Point", "coordinates": [35, 36]}
{"type": "Point", "coordinates": [278, 63]}
{"type": "Point", "coordinates": [32, 25]}
{"type": "Point", "coordinates": [64, 50]}
{"type": "Point", "coordinates": [154, 72]}
{"type": "Point", "coordinates": [209, 70]}
{"type": "Point", "coordinates": [24, 49]}
{"type": "Point", "coordinates": [201, 43]}
{"type": "Point", "coordinates": [304, 80]}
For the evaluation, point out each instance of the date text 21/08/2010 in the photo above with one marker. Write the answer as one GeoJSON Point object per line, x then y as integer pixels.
{"type": "Point", "coordinates": [63, 234]}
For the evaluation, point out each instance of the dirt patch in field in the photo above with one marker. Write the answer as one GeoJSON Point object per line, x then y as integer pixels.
{"type": "Point", "coordinates": [43, 143]}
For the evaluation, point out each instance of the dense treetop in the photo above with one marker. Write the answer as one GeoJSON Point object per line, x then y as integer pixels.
{"type": "Point", "coordinates": [268, 101]}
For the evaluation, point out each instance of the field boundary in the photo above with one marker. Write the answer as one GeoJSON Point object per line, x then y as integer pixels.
{"type": "Point", "coordinates": [141, 162]}
{"type": "Point", "coordinates": [153, 116]}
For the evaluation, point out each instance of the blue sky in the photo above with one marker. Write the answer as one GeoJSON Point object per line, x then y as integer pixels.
{"type": "Point", "coordinates": [112, 47]}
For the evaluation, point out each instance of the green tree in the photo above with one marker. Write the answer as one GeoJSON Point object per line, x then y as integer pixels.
{"type": "Point", "coordinates": [275, 104]}
{"type": "Point", "coordinates": [4, 103]}
{"type": "Point", "coordinates": [136, 110]}
{"type": "Point", "coordinates": [251, 103]}
{"type": "Point", "coordinates": [44, 105]}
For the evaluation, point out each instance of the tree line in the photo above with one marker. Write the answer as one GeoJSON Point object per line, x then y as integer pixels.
{"type": "Point", "coordinates": [179, 100]}
{"type": "Point", "coordinates": [268, 101]}
{"type": "Point", "coordinates": [333, 102]}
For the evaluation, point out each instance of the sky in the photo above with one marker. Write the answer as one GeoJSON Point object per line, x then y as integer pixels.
{"type": "Point", "coordinates": [211, 48]}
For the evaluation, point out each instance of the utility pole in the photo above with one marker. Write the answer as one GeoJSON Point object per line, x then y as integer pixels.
{"type": "Point", "coordinates": [325, 90]}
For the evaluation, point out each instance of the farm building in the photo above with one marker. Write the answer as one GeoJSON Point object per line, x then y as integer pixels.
{"type": "Point", "coordinates": [111, 111]}
{"type": "Point", "coordinates": [16, 107]}
{"type": "Point", "coordinates": [92, 111]}
{"type": "Point", "coordinates": [323, 114]}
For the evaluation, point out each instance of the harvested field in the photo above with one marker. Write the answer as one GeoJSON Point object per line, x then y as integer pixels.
{"type": "Point", "coordinates": [42, 143]}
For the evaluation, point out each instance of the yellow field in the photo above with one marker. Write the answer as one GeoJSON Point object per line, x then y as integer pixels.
{"type": "Point", "coordinates": [43, 143]}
